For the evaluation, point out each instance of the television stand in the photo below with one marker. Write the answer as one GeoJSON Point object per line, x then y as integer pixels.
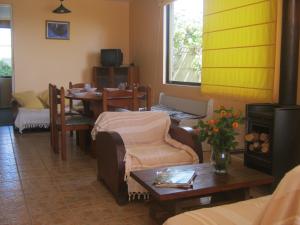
{"type": "Point", "coordinates": [111, 77]}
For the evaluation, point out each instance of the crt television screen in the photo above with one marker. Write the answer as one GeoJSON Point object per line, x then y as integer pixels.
{"type": "Point", "coordinates": [111, 57]}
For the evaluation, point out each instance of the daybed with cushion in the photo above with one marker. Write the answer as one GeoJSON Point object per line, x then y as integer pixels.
{"type": "Point", "coordinates": [128, 141]}
{"type": "Point", "coordinates": [184, 112]}
{"type": "Point", "coordinates": [280, 208]}
{"type": "Point", "coordinates": [30, 111]}
{"type": "Point", "coordinates": [32, 118]}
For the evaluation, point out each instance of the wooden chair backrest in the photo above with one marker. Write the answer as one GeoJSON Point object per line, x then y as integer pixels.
{"type": "Point", "coordinates": [55, 99]}
{"type": "Point", "coordinates": [77, 85]}
{"type": "Point", "coordinates": [126, 99]}
{"type": "Point", "coordinates": [147, 98]}
{"type": "Point", "coordinates": [53, 104]}
{"type": "Point", "coordinates": [61, 98]}
{"type": "Point", "coordinates": [51, 114]}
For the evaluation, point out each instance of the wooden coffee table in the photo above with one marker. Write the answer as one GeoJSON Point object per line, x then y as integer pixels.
{"type": "Point", "coordinates": [209, 189]}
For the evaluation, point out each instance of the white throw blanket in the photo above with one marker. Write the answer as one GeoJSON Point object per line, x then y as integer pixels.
{"type": "Point", "coordinates": [280, 208]}
{"type": "Point", "coordinates": [32, 118]}
{"type": "Point", "coordinates": [147, 142]}
{"type": "Point", "coordinates": [284, 205]}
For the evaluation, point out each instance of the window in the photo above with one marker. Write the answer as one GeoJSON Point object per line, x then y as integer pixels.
{"type": "Point", "coordinates": [184, 28]}
{"type": "Point", "coordinates": [5, 52]}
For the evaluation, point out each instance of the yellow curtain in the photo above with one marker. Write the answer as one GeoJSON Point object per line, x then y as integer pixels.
{"type": "Point", "coordinates": [239, 48]}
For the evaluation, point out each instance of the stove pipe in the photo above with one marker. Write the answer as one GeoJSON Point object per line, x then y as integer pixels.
{"type": "Point", "coordinates": [289, 53]}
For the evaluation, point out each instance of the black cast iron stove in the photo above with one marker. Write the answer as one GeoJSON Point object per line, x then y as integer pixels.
{"type": "Point", "coordinates": [274, 143]}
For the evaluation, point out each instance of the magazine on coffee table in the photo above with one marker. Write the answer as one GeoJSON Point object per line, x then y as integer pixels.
{"type": "Point", "coordinates": [170, 178]}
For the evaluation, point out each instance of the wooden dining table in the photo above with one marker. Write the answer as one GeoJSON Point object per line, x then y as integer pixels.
{"type": "Point", "coordinates": [92, 103]}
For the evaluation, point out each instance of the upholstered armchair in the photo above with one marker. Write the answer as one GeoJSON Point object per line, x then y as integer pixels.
{"type": "Point", "coordinates": [128, 141]}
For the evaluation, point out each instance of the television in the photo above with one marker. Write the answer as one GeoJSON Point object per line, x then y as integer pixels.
{"type": "Point", "coordinates": [111, 57]}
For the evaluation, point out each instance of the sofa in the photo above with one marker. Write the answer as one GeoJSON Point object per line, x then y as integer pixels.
{"type": "Point", "coordinates": [184, 112]}
{"type": "Point", "coordinates": [280, 208]}
{"type": "Point", "coordinates": [128, 141]}
{"type": "Point", "coordinates": [30, 110]}
{"type": "Point", "coordinates": [31, 118]}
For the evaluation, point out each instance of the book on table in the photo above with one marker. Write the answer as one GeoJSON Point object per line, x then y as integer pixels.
{"type": "Point", "coordinates": [170, 178]}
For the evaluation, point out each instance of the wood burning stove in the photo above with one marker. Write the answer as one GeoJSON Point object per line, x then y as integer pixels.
{"type": "Point", "coordinates": [280, 122]}
{"type": "Point", "coordinates": [278, 127]}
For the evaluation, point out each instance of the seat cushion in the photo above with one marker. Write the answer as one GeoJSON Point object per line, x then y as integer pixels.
{"type": "Point", "coordinates": [77, 120]}
{"type": "Point", "coordinates": [241, 213]}
{"type": "Point", "coordinates": [157, 155]}
{"type": "Point", "coordinates": [44, 98]}
{"type": "Point", "coordinates": [28, 99]}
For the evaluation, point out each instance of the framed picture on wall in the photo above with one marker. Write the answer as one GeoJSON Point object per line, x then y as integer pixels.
{"type": "Point", "coordinates": [59, 30]}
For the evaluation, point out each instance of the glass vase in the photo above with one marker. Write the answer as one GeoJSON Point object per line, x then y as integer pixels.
{"type": "Point", "coordinates": [220, 159]}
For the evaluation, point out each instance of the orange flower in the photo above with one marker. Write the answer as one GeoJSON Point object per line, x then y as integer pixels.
{"type": "Point", "coordinates": [216, 130]}
{"type": "Point", "coordinates": [235, 124]}
{"type": "Point", "coordinates": [211, 122]}
{"type": "Point", "coordinates": [223, 113]}
{"type": "Point", "coordinates": [237, 114]}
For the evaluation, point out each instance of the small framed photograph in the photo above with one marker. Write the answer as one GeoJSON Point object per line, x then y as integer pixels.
{"type": "Point", "coordinates": [59, 30]}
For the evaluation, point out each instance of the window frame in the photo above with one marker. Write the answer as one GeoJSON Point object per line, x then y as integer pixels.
{"type": "Point", "coordinates": [168, 48]}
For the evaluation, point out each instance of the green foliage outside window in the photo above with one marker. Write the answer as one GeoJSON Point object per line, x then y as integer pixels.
{"type": "Point", "coordinates": [5, 69]}
{"type": "Point", "coordinates": [187, 44]}
{"type": "Point", "coordinates": [188, 39]}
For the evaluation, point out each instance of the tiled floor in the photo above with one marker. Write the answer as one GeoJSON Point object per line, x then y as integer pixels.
{"type": "Point", "coordinates": [37, 188]}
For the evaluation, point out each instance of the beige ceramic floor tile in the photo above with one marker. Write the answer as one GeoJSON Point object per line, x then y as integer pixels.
{"type": "Point", "coordinates": [50, 191]}
{"type": "Point", "coordinates": [59, 217]}
{"type": "Point", "coordinates": [10, 186]}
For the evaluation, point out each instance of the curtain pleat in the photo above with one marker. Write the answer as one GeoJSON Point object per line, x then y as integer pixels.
{"type": "Point", "coordinates": [239, 48]}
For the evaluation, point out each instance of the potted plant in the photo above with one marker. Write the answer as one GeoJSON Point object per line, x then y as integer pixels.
{"type": "Point", "coordinates": [220, 133]}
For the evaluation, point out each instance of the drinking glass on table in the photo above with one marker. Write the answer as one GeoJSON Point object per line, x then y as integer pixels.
{"type": "Point", "coordinates": [87, 87]}
{"type": "Point", "coordinates": [122, 86]}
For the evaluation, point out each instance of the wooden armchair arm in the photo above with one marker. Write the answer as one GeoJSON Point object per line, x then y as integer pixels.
{"type": "Point", "coordinates": [111, 165]}
{"type": "Point", "coordinates": [186, 136]}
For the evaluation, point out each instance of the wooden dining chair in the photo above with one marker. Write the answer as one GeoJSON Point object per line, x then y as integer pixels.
{"type": "Point", "coordinates": [145, 99]}
{"type": "Point", "coordinates": [71, 107]}
{"type": "Point", "coordinates": [113, 100]}
{"type": "Point", "coordinates": [60, 122]}
{"type": "Point", "coordinates": [53, 135]}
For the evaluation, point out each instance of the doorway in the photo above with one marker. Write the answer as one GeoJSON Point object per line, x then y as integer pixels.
{"type": "Point", "coordinates": [6, 64]}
